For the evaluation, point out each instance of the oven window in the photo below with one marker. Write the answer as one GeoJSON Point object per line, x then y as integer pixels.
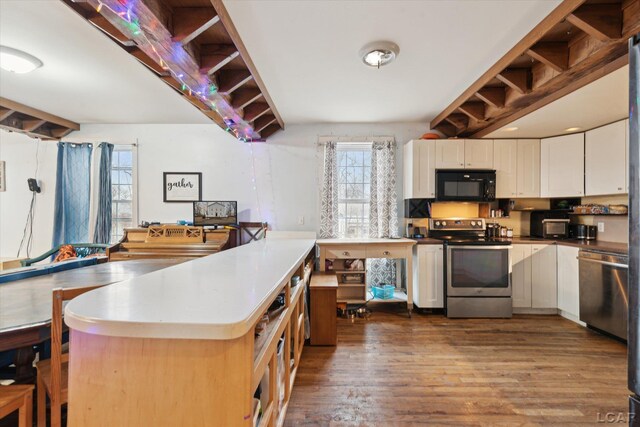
{"type": "Point", "coordinates": [479, 268]}
{"type": "Point", "coordinates": [463, 188]}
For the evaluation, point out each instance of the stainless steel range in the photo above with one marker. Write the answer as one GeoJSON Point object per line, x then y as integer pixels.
{"type": "Point", "coordinates": [477, 268]}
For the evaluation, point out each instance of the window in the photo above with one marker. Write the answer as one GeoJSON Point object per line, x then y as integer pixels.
{"type": "Point", "coordinates": [122, 191]}
{"type": "Point", "coordinates": [354, 174]}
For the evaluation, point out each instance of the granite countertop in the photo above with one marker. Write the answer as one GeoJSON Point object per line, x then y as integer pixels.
{"type": "Point", "coordinates": [599, 245]}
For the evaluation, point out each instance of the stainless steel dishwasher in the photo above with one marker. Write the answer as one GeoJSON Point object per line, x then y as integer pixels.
{"type": "Point", "coordinates": [604, 292]}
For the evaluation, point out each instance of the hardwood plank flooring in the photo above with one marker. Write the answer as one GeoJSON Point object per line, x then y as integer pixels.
{"type": "Point", "coordinates": [392, 370]}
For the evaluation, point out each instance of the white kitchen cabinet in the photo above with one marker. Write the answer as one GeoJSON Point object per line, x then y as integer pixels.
{"type": "Point", "coordinates": [505, 160]}
{"type": "Point", "coordinates": [528, 168]}
{"type": "Point", "coordinates": [428, 286]}
{"type": "Point", "coordinates": [562, 166]}
{"type": "Point", "coordinates": [568, 281]}
{"type": "Point", "coordinates": [605, 160]}
{"type": "Point", "coordinates": [419, 169]}
{"type": "Point", "coordinates": [478, 153]}
{"type": "Point", "coordinates": [544, 285]}
{"type": "Point", "coordinates": [521, 276]}
{"type": "Point", "coordinates": [450, 153]}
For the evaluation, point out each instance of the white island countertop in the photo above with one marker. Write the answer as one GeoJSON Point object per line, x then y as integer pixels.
{"type": "Point", "coordinates": [217, 297]}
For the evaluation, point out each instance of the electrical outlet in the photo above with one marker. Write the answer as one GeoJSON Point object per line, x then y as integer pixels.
{"type": "Point", "coordinates": [301, 220]}
{"type": "Point", "coordinates": [601, 227]}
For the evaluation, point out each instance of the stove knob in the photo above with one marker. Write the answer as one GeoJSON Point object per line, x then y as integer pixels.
{"type": "Point", "coordinates": [473, 223]}
{"type": "Point", "coordinates": [437, 223]}
{"type": "Point", "coordinates": [444, 223]}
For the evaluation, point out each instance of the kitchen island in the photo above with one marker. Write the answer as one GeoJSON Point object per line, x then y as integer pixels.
{"type": "Point", "coordinates": [180, 346]}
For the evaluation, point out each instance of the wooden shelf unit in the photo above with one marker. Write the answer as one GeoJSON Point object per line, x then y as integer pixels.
{"type": "Point", "coordinates": [350, 290]}
{"type": "Point", "coordinates": [288, 324]}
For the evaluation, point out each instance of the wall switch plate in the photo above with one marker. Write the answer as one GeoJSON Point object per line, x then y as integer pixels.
{"type": "Point", "coordinates": [301, 220]}
{"type": "Point", "coordinates": [601, 227]}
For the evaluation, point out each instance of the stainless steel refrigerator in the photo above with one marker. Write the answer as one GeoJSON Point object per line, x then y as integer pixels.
{"type": "Point", "coordinates": [634, 232]}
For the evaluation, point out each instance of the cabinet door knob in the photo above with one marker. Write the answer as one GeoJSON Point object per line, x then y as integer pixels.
{"type": "Point", "coordinates": [386, 253]}
{"type": "Point", "coordinates": [468, 164]}
{"type": "Point", "coordinates": [619, 188]}
{"type": "Point", "coordinates": [345, 253]}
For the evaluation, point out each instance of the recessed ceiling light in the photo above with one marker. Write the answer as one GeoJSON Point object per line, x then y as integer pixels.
{"type": "Point", "coordinates": [17, 61]}
{"type": "Point", "coordinates": [511, 129]}
{"type": "Point", "coordinates": [377, 54]}
{"type": "Point", "coordinates": [572, 129]}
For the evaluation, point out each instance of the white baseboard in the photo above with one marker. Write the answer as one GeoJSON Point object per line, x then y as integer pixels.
{"type": "Point", "coordinates": [571, 317]}
{"type": "Point", "coordinates": [526, 310]}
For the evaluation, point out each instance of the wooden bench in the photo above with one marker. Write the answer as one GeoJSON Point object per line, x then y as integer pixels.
{"type": "Point", "coordinates": [20, 398]}
{"type": "Point", "coordinates": [324, 293]}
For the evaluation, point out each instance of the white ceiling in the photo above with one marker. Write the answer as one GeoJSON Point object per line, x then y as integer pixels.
{"type": "Point", "coordinates": [604, 101]}
{"type": "Point", "coordinates": [86, 77]}
{"type": "Point", "coordinates": [307, 53]}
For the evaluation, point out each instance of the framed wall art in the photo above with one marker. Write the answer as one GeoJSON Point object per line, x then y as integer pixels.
{"type": "Point", "coordinates": [182, 186]}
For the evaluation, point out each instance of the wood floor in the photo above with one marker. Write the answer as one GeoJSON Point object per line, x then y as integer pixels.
{"type": "Point", "coordinates": [392, 370]}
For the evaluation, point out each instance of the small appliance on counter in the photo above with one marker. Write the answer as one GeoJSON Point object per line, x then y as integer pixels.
{"type": "Point", "coordinates": [550, 224]}
{"type": "Point", "coordinates": [583, 231]}
{"type": "Point", "coordinates": [416, 232]}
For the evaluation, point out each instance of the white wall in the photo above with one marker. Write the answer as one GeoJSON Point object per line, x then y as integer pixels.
{"type": "Point", "coordinates": [19, 153]}
{"type": "Point", "coordinates": [287, 181]}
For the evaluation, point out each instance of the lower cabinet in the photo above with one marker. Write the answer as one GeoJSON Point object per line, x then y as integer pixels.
{"type": "Point", "coordinates": [568, 281]}
{"type": "Point", "coordinates": [533, 279]}
{"type": "Point", "coordinates": [428, 286]}
{"type": "Point", "coordinates": [544, 281]}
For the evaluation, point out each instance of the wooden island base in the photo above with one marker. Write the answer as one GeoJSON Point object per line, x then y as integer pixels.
{"type": "Point", "coordinates": [156, 382]}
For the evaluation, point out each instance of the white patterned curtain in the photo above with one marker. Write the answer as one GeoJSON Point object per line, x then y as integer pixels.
{"type": "Point", "coordinates": [329, 195]}
{"type": "Point", "coordinates": [383, 208]}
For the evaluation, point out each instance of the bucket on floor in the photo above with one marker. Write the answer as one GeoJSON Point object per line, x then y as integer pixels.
{"type": "Point", "coordinates": [383, 291]}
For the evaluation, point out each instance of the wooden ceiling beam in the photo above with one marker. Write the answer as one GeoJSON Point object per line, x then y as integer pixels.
{"type": "Point", "coordinates": [535, 35]}
{"type": "Point", "coordinates": [7, 104]}
{"type": "Point", "coordinates": [475, 110]}
{"type": "Point", "coordinates": [446, 128]}
{"type": "Point", "coordinates": [244, 97]}
{"type": "Point", "coordinates": [60, 132]}
{"type": "Point", "coordinates": [493, 96]}
{"type": "Point", "coordinates": [215, 56]}
{"type": "Point", "coordinates": [460, 121]}
{"type": "Point", "coordinates": [553, 54]}
{"type": "Point", "coordinates": [141, 56]}
{"type": "Point", "coordinates": [264, 121]}
{"type": "Point", "coordinates": [269, 130]}
{"type": "Point", "coordinates": [109, 29]}
{"type": "Point", "coordinates": [5, 113]}
{"type": "Point", "coordinates": [601, 21]}
{"type": "Point", "coordinates": [228, 24]}
{"type": "Point", "coordinates": [32, 124]}
{"type": "Point", "coordinates": [255, 110]}
{"type": "Point", "coordinates": [518, 79]}
{"type": "Point", "coordinates": [190, 22]}
{"type": "Point", "coordinates": [231, 80]}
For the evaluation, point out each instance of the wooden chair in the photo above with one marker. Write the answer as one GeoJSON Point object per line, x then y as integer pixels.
{"type": "Point", "coordinates": [53, 374]}
{"type": "Point", "coordinates": [254, 231]}
{"type": "Point", "coordinates": [20, 398]}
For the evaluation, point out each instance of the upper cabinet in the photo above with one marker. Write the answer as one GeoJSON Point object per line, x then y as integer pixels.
{"type": "Point", "coordinates": [464, 154]}
{"type": "Point", "coordinates": [606, 160]}
{"type": "Point", "coordinates": [505, 160]}
{"type": "Point", "coordinates": [419, 158]}
{"type": "Point", "coordinates": [450, 153]}
{"type": "Point", "coordinates": [528, 169]}
{"type": "Point", "coordinates": [562, 166]}
{"type": "Point", "coordinates": [478, 154]}
{"type": "Point", "coordinates": [517, 164]}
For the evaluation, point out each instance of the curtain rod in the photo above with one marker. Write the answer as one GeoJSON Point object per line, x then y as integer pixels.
{"type": "Point", "coordinates": [354, 139]}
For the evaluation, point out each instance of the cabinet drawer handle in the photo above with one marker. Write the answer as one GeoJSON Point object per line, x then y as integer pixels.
{"type": "Point", "coordinates": [619, 188]}
{"type": "Point", "coordinates": [345, 253]}
{"type": "Point", "coordinates": [386, 253]}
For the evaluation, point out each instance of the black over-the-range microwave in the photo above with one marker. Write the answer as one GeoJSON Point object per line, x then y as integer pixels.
{"type": "Point", "coordinates": [465, 185]}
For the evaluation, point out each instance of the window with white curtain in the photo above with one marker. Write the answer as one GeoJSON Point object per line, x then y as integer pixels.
{"type": "Point", "coordinates": [123, 191]}
{"type": "Point", "coordinates": [354, 185]}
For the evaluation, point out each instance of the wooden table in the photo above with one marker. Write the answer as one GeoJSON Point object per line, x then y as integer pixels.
{"type": "Point", "coordinates": [371, 248]}
{"type": "Point", "coordinates": [25, 305]}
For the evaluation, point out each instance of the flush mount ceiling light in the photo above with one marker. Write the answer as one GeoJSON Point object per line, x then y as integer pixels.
{"type": "Point", "coordinates": [17, 61]}
{"type": "Point", "coordinates": [572, 129]}
{"type": "Point", "coordinates": [377, 54]}
{"type": "Point", "coordinates": [511, 129]}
